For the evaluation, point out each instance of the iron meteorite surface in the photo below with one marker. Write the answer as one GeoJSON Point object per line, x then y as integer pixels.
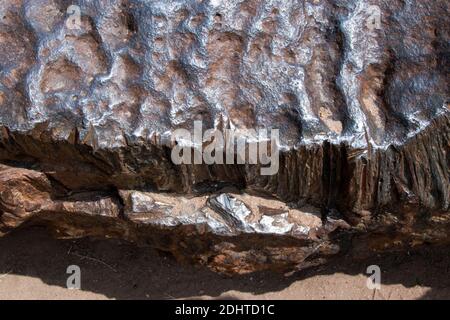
{"type": "Point", "coordinates": [358, 89]}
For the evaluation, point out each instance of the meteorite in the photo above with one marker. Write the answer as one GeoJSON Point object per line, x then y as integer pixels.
{"type": "Point", "coordinates": [91, 93]}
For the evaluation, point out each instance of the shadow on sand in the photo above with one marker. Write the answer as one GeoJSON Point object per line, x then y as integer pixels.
{"type": "Point", "coordinates": [123, 271]}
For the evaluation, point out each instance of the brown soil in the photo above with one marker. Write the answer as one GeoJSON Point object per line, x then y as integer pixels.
{"type": "Point", "coordinates": [33, 266]}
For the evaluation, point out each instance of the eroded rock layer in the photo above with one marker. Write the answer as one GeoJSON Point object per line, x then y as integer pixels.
{"type": "Point", "coordinates": [91, 92]}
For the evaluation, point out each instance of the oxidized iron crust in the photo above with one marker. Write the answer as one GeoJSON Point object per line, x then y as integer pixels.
{"type": "Point", "coordinates": [88, 107]}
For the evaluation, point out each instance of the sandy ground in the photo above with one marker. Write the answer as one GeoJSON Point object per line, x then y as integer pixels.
{"type": "Point", "coordinates": [33, 266]}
